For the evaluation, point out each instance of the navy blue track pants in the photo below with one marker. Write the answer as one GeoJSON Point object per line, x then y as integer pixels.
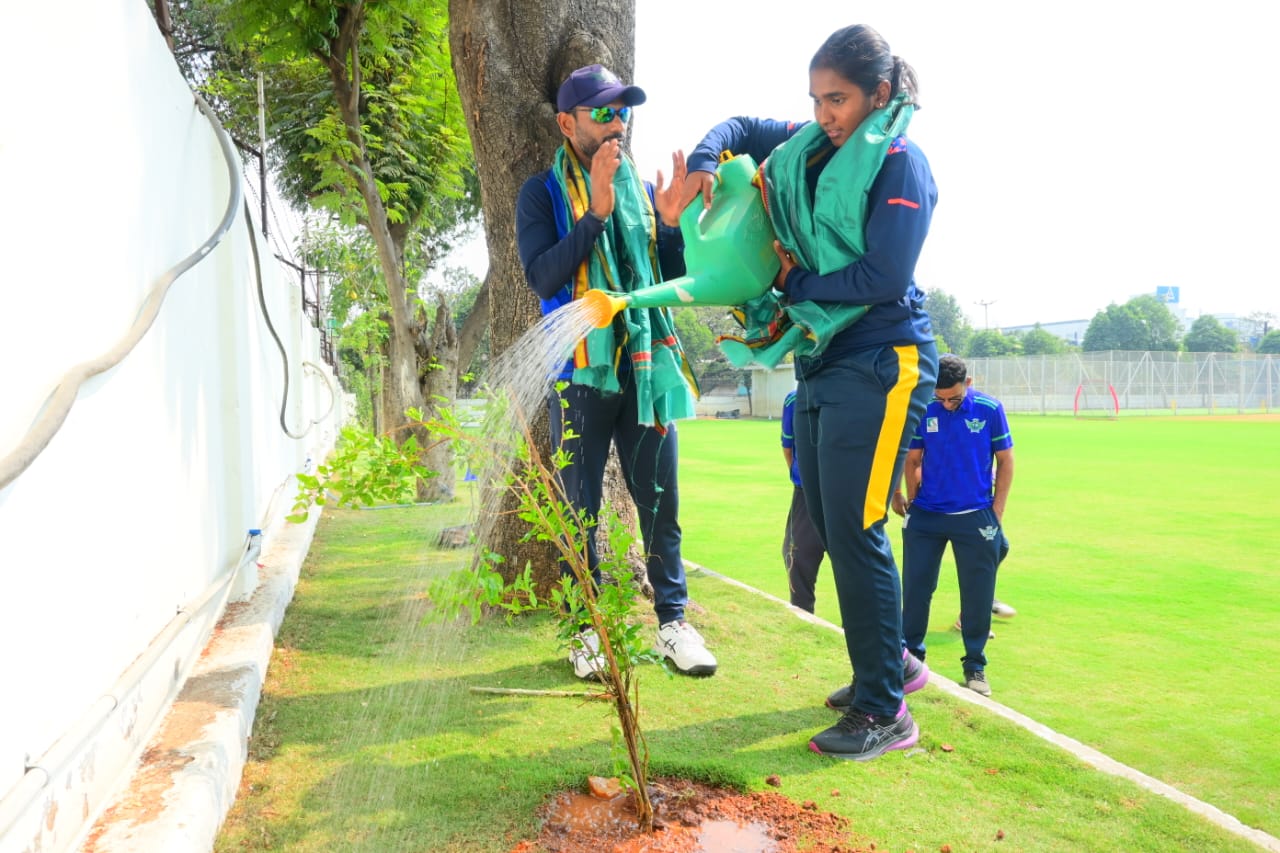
{"type": "Point", "coordinates": [854, 417]}
{"type": "Point", "coordinates": [648, 458]}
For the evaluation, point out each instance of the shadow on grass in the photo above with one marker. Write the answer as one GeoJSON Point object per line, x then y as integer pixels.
{"type": "Point", "coordinates": [440, 768]}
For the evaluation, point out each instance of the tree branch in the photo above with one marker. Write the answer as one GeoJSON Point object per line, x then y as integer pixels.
{"type": "Point", "coordinates": [474, 327]}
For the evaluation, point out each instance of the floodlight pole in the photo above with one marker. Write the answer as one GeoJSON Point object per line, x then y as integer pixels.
{"type": "Point", "coordinates": [985, 324]}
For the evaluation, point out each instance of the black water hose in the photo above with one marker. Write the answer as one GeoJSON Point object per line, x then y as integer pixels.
{"type": "Point", "coordinates": [284, 355]}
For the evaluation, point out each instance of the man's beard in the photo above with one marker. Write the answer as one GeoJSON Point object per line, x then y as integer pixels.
{"type": "Point", "coordinates": [588, 147]}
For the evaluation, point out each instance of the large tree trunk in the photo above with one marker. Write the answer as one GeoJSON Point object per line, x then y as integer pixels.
{"type": "Point", "coordinates": [509, 57]}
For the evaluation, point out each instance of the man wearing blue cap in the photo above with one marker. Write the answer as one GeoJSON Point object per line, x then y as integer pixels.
{"type": "Point", "coordinates": [590, 222]}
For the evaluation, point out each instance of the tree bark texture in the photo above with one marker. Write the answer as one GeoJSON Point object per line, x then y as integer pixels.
{"type": "Point", "coordinates": [474, 327]}
{"type": "Point", "coordinates": [509, 58]}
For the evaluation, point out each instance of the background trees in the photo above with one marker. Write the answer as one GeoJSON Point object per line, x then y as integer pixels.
{"type": "Point", "coordinates": [1207, 334]}
{"type": "Point", "coordinates": [1039, 342]}
{"type": "Point", "coordinates": [991, 343]}
{"type": "Point", "coordinates": [1270, 343]}
{"type": "Point", "coordinates": [949, 323]}
{"type": "Point", "coordinates": [1142, 323]}
{"type": "Point", "coordinates": [364, 122]}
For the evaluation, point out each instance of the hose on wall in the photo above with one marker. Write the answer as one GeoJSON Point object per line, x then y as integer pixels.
{"type": "Point", "coordinates": [53, 413]}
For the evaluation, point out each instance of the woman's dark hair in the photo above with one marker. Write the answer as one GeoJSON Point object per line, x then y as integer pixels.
{"type": "Point", "coordinates": [860, 55]}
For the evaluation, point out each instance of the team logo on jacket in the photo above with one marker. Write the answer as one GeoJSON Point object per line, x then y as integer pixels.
{"type": "Point", "coordinates": [975, 425]}
{"type": "Point", "coordinates": [988, 533]}
{"type": "Point", "coordinates": [930, 424]}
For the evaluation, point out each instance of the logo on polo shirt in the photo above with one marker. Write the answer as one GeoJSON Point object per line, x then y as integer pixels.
{"type": "Point", "coordinates": [975, 425]}
{"type": "Point", "coordinates": [930, 424]}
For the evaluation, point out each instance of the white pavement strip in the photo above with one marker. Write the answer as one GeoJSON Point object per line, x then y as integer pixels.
{"type": "Point", "coordinates": [1087, 754]}
{"type": "Point", "coordinates": [178, 800]}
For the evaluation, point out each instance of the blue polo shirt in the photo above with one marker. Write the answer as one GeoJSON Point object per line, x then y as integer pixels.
{"type": "Point", "coordinates": [959, 452]}
{"type": "Point", "coordinates": [789, 433]}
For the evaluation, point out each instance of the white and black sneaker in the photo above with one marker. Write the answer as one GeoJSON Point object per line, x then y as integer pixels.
{"type": "Point", "coordinates": [584, 654]}
{"type": "Point", "coordinates": [680, 643]}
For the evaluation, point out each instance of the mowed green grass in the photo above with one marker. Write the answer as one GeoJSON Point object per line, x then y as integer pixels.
{"type": "Point", "coordinates": [369, 737]}
{"type": "Point", "coordinates": [1144, 569]}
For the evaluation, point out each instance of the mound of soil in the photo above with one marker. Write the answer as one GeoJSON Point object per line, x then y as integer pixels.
{"type": "Point", "coordinates": [689, 817]}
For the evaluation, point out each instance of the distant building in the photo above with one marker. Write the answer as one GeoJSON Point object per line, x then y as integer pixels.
{"type": "Point", "coordinates": [1071, 331]}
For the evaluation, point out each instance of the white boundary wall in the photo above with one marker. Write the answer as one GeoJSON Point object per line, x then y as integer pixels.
{"type": "Point", "coordinates": [141, 504]}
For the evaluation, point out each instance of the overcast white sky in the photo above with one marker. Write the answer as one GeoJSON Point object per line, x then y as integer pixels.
{"type": "Point", "coordinates": [1085, 153]}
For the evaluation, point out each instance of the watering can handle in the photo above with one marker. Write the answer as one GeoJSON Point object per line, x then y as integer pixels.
{"type": "Point", "coordinates": [689, 219]}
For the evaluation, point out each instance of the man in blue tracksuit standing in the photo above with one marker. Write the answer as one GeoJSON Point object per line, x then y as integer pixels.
{"type": "Point", "coordinates": [590, 222]}
{"type": "Point", "coordinates": [961, 440]}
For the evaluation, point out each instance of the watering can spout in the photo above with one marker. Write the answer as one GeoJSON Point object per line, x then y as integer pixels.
{"type": "Point", "coordinates": [601, 306]}
{"type": "Point", "coordinates": [728, 251]}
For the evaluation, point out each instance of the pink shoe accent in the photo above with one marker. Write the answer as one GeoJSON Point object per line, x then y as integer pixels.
{"type": "Point", "coordinates": [921, 677]}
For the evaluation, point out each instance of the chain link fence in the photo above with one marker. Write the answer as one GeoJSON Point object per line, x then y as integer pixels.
{"type": "Point", "coordinates": [1137, 383]}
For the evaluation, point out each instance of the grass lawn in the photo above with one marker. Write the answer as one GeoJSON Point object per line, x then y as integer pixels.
{"type": "Point", "coordinates": [1143, 569]}
{"type": "Point", "coordinates": [368, 737]}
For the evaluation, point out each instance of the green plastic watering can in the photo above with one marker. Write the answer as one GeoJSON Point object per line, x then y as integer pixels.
{"type": "Point", "coordinates": [728, 251]}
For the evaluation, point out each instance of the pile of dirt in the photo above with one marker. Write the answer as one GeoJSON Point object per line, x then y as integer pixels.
{"type": "Point", "coordinates": [689, 817]}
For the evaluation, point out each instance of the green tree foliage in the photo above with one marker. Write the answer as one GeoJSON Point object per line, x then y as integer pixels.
{"type": "Point", "coordinates": [1144, 323]}
{"type": "Point", "coordinates": [361, 361]}
{"type": "Point", "coordinates": [1270, 343]}
{"type": "Point", "coordinates": [991, 343]}
{"type": "Point", "coordinates": [1116, 327]}
{"type": "Point", "coordinates": [1040, 342]}
{"type": "Point", "coordinates": [698, 327]}
{"type": "Point", "coordinates": [391, 62]}
{"type": "Point", "coordinates": [698, 341]}
{"type": "Point", "coordinates": [1163, 333]}
{"type": "Point", "coordinates": [949, 322]}
{"type": "Point", "coordinates": [1208, 335]}
{"type": "Point", "coordinates": [357, 300]}
{"type": "Point", "coordinates": [365, 122]}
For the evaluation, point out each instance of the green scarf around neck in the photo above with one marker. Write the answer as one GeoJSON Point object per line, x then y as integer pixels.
{"type": "Point", "coordinates": [825, 230]}
{"type": "Point", "coordinates": [624, 259]}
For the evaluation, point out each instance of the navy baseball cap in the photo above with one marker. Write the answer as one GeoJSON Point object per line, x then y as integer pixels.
{"type": "Point", "coordinates": [596, 86]}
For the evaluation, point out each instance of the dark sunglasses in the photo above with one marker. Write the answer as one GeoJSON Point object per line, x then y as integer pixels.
{"type": "Point", "coordinates": [604, 115]}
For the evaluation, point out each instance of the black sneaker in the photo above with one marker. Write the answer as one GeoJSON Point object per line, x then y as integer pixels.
{"type": "Point", "coordinates": [860, 737]}
{"type": "Point", "coordinates": [976, 680]}
{"type": "Point", "coordinates": [915, 675]}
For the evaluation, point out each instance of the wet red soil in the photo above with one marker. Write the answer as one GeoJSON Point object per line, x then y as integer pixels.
{"type": "Point", "coordinates": [691, 817]}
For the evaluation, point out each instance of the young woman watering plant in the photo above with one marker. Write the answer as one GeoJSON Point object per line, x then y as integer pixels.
{"type": "Point", "coordinates": [850, 199]}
